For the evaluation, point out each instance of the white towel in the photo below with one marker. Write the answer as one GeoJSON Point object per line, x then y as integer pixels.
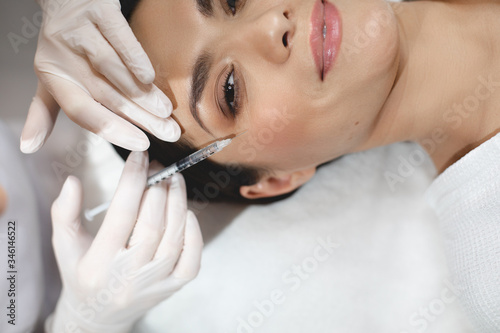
{"type": "Point", "coordinates": [466, 198]}
{"type": "Point", "coordinates": [385, 271]}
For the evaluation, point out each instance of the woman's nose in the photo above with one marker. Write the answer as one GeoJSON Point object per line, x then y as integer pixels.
{"type": "Point", "coordinates": [271, 34]}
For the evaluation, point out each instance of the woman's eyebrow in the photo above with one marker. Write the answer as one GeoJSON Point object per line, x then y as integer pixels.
{"type": "Point", "coordinates": [201, 73]}
{"type": "Point", "coordinates": [205, 7]}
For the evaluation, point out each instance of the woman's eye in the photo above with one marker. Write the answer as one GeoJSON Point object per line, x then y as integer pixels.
{"type": "Point", "coordinates": [232, 5]}
{"type": "Point", "coordinates": [228, 94]}
{"type": "Point", "coordinates": [229, 91]}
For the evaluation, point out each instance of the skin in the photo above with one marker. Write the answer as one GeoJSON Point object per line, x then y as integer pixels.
{"type": "Point", "coordinates": [398, 83]}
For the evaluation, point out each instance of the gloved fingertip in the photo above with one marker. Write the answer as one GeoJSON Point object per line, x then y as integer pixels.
{"type": "Point", "coordinates": [138, 157]}
{"type": "Point", "coordinates": [163, 105]}
{"type": "Point", "coordinates": [167, 130]}
{"type": "Point", "coordinates": [65, 213]}
{"type": "Point", "coordinates": [146, 75]}
{"type": "Point", "coordinates": [68, 198]}
{"type": "Point", "coordinates": [177, 179]}
{"type": "Point", "coordinates": [140, 145]}
{"type": "Point", "coordinates": [193, 229]}
{"type": "Point", "coordinates": [191, 220]}
{"type": "Point", "coordinates": [69, 187]}
{"type": "Point", "coordinates": [160, 109]}
{"type": "Point", "coordinates": [143, 68]}
{"type": "Point", "coordinates": [32, 144]}
{"type": "Point", "coordinates": [133, 142]}
{"type": "Point", "coordinates": [166, 101]}
{"type": "Point", "coordinates": [154, 167]}
{"type": "Point", "coordinates": [174, 131]}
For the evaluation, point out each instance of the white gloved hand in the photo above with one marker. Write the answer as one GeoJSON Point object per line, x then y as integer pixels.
{"type": "Point", "coordinates": [107, 284]}
{"type": "Point", "coordinates": [89, 62]}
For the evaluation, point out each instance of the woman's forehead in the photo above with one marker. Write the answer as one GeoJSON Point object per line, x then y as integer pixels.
{"type": "Point", "coordinates": [170, 34]}
{"type": "Point", "coordinates": [168, 31]}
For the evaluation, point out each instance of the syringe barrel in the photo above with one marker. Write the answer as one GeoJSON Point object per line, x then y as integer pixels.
{"type": "Point", "coordinates": [197, 156]}
{"type": "Point", "coordinates": [188, 161]}
{"type": "Point", "coordinates": [159, 176]}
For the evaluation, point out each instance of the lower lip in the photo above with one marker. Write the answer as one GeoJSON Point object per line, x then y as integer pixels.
{"type": "Point", "coordinates": [325, 50]}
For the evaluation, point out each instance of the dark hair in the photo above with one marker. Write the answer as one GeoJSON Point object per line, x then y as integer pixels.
{"type": "Point", "coordinates": [128, 7]}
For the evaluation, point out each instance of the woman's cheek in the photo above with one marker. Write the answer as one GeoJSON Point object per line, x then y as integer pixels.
{"type": "Point", "coordinates": [274, 130]}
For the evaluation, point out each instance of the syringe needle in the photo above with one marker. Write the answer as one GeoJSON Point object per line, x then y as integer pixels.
{"type": "Point", "coordinates": [237, 135]}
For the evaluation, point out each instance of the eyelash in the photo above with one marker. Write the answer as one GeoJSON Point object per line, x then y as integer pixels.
{"type": "Point", "coordinates": [231, 7]}
{"type": "Point", "coordinates": [228, 88]}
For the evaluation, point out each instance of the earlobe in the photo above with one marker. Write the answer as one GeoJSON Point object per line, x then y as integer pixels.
{"type": "Point", "coordinates": [271, 186]}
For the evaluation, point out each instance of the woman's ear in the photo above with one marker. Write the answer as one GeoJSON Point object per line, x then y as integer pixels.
{"type": "Point", "coordinates": [271, 186]}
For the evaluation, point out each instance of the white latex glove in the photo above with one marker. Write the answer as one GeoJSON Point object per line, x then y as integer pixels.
{"type": "Point", "coordinates": [89, 63]}
{"type": "Point", "coordinates": [107, 284]}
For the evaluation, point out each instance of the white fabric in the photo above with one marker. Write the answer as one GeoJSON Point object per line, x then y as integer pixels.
{"type": "Point", "coordinates": [388, 273]}
{"type": "Point", "coordinates": [466, 198]}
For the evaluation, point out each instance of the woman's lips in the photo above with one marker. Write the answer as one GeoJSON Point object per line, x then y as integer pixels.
{"type": "Point", "coordinates": [326, 35]}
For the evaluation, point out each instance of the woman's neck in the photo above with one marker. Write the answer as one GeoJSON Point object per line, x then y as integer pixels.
{"type": "Point", "coordinates": [446, 95]}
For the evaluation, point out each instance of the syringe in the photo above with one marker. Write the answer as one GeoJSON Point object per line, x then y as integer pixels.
{"type": "Point", "coordinates": [171, 170]}
{"type": "Point", "coordinates": [189, 161]}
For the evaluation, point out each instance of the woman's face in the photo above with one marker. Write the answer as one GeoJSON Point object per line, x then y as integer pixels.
{"type": "Point", "coordinates": [255, 72]}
